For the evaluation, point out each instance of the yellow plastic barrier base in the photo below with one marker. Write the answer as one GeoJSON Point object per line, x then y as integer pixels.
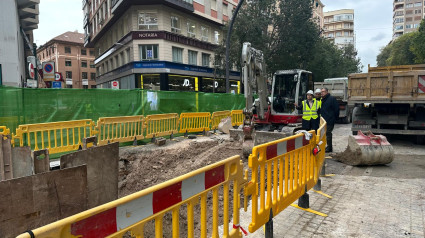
{"type": "Point", "coordinates": [310, 210]}
{"type": "Point", "coordinates": [322, 193]}
{"type": "Point", "coordinates": [327, 175]}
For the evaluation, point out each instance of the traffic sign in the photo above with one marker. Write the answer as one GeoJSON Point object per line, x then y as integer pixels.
{"type": "Point", "coordinates": [58, 76]}
{"type": "Point", "coordinates": [31, 70]}
{"type": "Point", "coordinates": [48, 71]}
{"type": "Point", "coordinates": [56, 84]}
{"type": "Point", "coordinates": [115, 85]}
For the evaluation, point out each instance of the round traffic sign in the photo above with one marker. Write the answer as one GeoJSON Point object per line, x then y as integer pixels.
{"type": "Point", "coordinates": [57, 77]}
{"type": "Point", "coordinates": [31, 70]}
{"type": "Point", "coordinates": [115, 84]}
{"type": "Point", "coordinates": [48, 68]}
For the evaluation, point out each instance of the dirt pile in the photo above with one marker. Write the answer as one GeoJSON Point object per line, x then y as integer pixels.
{"type": "Point", "coordinates": [144, 166]}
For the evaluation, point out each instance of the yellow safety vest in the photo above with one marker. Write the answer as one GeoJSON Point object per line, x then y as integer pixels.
{"type": "Point", "coordinates": [309, 113]}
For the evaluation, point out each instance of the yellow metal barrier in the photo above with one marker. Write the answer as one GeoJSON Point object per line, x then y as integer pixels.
{"type": "Point", "coordinates": [128, 215]}
{"type": "Point", "coordinates": [217, 117]}
{"type": "Point", "coordinates": [237, 117]}
{"type": "Point", "coordinates": [195, 122]}
{"type": "Point", "coordinates": [161, 125]}
{"type": "Point", "coordinates": [282, 171]}
{"type": "Point", "coordinates": [57, 137]}
{"type": "Point", "coordinates": [119, 129]}
{"type": "Point", "coordinates": [4, 131]}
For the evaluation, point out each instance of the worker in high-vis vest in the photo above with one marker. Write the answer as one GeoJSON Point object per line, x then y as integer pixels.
{"type": "Point", "coordinates": [311, 110]}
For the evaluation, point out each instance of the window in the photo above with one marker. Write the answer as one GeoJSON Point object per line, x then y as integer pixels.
{"type": "Point", "coordinates": [346, 33]}
{"type": "Point", "coordinates": [83, 52]}
{"type": "Point", "coordinates": [84, 75]}
{"type": "Point", "coordinates": [418, 4]}
{"type": "Point", "coordinates": [68, 74]}
{"type": "Point", "coordinates": [175, 24]}
{"type": "Point", "coordinates": [401, 27]}
{"type": "Point", "coordinates": [193, 57]}
{"type": "Point", "coordinates": [399, 20]}
{"type": "Point", "coordinates": [92, 76]}
{"type": "Point", "coordinates": [416, 25]}
{"type": "Point", "coordinates": [92, 64]}
{"type": "Point", "coordinates": [67, 50]}
{"type": "Point", "coordinates": [409, 5]}
{"type": "Point", "coordinates": [214, 5]}
{"type": "Point", "coordinates": [399, 13]}
{"type": "Point", "coordinates": [84, 63]}
{"type": "Point", "coordinates": [204, 33]}
{"type": "Point", "coordinates": [68, 62]}
{"type": "Point", "coordinates": [148, 52]}
{"type": "Point", "coordinates": [418, 11]}
{"type": "Point", "coordinates": [148, 21]}
{"type": "Point", "coordinates": [91, 52]}
{"type": "Point", "coordinates": [177, 54]}
{"type": "Point", "coordinates": [216, 37]}
{"type": "Point", "coordinates": [205, 60]}
{"type": "Point", "coordinates": [338, 34]}
{"type": "Point", "coordinates": [191, 29]}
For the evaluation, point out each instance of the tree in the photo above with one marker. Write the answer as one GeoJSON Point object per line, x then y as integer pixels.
{"type": "Point", "coordinates": [418, 44]}
{"type": "Point", "coordinates": [381, 58]}
{"type": "Point", "coordinates": [400, 51]}
{"type": "Point", "coordinates": [289, 38]}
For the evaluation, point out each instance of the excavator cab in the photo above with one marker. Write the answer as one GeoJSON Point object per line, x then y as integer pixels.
{"type": "Point", "coordinates": [289, 87]}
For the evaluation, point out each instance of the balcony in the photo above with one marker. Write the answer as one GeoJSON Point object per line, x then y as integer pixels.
{"type": "Point", "coordinates": [85, 2]}
{"type": "Point", "coordinates": [184, 5]}
{"type": "Point", "coordinates": [28, 14]}
{"type": "Point", "coordinates": [86, 20]}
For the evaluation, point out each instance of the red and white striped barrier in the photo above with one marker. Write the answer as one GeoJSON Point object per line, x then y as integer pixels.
{"type": "Point", "coordinates": [285, 147]}
{"type": "Point", "coordinates": [132, 212]}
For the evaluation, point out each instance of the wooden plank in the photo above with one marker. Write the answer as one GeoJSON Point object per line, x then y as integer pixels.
{"type": "Point", "coordinates": [102, 170]}
{"type": "Point", "coordinates": [33, 201]}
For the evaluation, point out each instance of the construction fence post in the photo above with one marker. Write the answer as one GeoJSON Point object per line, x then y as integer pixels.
{"type": "Point", "coordinates": [269, 226]}
{"type": "Point", "coordinates": [304, 201]}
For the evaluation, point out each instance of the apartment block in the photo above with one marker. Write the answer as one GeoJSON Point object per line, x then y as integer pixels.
{"type": "Point", "coordinates": [74, 61]}
{"type": "Point", "coordinates": [407, 16]}
{"type": "Point", "coordinates": [318, 15]}
{"type": "Point", "coordinates": [18, 20]}
{"type": "Point", "coordinates": [158, 45]}
{"type": "Point", "coordinates": [339, 27]}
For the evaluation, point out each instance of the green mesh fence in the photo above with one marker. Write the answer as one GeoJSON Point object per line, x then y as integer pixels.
{"type": "Point", "coordinates": [27, 106]}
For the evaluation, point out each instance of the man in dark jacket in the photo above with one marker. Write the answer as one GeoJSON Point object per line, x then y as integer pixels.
{"type": "Point", "coordinates": [330, 112]}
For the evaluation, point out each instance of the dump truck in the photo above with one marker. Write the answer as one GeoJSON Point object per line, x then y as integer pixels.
{"type": "Point", "coordinates": [389, 100]}
{"type": "Point", "coordinates": [338, 87]}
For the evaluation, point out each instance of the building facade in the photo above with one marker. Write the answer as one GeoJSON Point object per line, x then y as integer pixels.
{"type": "Point", "coordinates": [318, 13]}
{"type": "Point", "coordinates": [18, 19]}
{"type": "Point", "coordinates": [339, 27]}
{"type": "Point", "coordinates": [407, 16]}
{"type": "Point", "coordinates": [71, 59]}
{"type": "Point", "coordinates": [158, 45]}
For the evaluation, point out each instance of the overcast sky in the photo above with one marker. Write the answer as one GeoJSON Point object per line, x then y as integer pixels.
{"type": "Point", "coordinates": [372, 22]}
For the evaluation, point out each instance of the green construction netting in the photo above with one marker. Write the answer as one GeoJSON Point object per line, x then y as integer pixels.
{"type": "Point", "coordinates": [27, 106]}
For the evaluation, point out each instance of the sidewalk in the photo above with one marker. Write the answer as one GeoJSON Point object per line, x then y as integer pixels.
{"type": "Point", "coordinates": [362, 206]}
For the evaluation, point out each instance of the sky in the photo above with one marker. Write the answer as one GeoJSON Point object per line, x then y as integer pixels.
{"type": "Point", "coordinates": [372, 22]}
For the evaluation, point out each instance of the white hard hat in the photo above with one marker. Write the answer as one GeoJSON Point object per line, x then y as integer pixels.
{"type": "Point", "coordinates": [310, 92]}
{"type": "Point", "coordinates": [318, 90]}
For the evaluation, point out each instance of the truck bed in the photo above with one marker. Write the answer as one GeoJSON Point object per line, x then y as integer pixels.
{"type": "Point", "coordinates": [387, 86]}
{"type": "Point", "coordinates": [336, 89]}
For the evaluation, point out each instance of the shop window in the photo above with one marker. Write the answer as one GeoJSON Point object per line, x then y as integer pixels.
{"type": "Point", "coordinates": [193, 57]}
{"type": "Point", "coordinates": [149, 82]}
{"type": "Point", "coordinates": [181, 83]}
{"type": "Point", "coordinates": [177, 55]}
{"type": "Point", "coordinates": [209, 85]}
{"type": "Point", "coordinates": [148, 21]}
{"type": "Point", "coordinates": [148, 52]}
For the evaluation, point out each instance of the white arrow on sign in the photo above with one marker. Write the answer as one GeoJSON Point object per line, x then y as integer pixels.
{"type": "Point", "coordinates": [31, 70]}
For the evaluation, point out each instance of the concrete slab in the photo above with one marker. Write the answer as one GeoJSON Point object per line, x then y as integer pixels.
{"type": "Point", "coordinates": [102, 170]}
{"type": "Point", "coordinates": [30, 202]}
{"type": "Point", "coordinates": [6, 167]}
{"type": "Point", "coordinates": [22, 162]}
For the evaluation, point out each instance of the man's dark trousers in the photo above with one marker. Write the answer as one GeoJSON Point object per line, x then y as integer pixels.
{"type": "Point", "coordinates": [330, 128]}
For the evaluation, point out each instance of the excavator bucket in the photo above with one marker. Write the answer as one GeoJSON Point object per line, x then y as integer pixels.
{"type": "Point", "coordinates": [367, 149]}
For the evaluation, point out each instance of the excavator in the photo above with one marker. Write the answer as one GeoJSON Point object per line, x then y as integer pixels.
{"type": "Point", "coordinates": [269, 118]}
{"type": "Point", "coordinates": [275, 117]}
